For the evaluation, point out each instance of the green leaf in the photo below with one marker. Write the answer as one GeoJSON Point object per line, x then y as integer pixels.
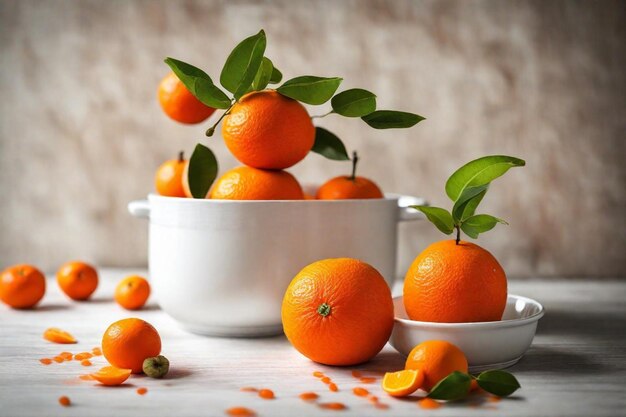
{"type": "Point", "coordinates": [391, 119]}
{"type": "Point", "coordinates": [202, 171]}
{"type": "Point", "coordinates": [355, 102]}
{"type": "Point", "coordinates": [453, 387]}
{"type": "Point", "coordinates": [242, 64]}
{"type": "Point", "coordinates": [441, 218]}
{"type": "Point", "coordinates": [329, 145]}
{"type": "Point", "coordinates": [309, 89]}
{"type": "Point", "coordinates": [199, 84]}
{"type": "Point", "coordinates": [263, 75]}
{"type": "Point", "coordinates": [276, 76]}
{"type": "Point", "coordinates": [478, 172]}
{"type": "Point", "coordinates": [480, 223]}
{"type": "Point", "coordinates": [468, 201]}
{"type": "Point", "coordinates": [500, 383]}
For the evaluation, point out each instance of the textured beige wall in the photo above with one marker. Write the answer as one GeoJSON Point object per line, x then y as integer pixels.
{"type": "Point", "coordinates": [81, 132]}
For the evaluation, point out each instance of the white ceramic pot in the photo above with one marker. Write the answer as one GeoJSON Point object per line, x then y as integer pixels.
{"type": "Point", "coordinates": [221, 267]}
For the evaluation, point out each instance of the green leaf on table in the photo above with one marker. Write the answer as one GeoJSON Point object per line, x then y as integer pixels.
{"type": "Point", "coordinates": [453, 387]}
{"type": "Point", "coordinates": [242, 64]}
{"type": "Point", "coordinates": [355, 102]}
{"type": "Point", "coordinates": [478, 172]}
{"type": "Point", "coordinates": [391, 119]}
{"type": "Point", "coordinates": [199, 84]}
{"type": "Point", "coordinates": [276, 76]}
{"type": "Point", "coordinates": [263, 75]}
{"type": "Point", "coordinates": [310, 89]}
{"type": "Point", "coordinates": [329, 145]}
{"type": "Point", "coordinates": [202, 171]}
{"type": "Point", "coordinates": [441, 218]}
{"type": "Point", "coordinates": [465, 206]}
{"type": "Point", "coordinates": [479, 223]}
{"type": "Point", "coordinates": [500, 383]}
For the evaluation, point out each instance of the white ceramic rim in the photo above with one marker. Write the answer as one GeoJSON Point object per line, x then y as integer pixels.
{"type": "Point", "coordinates": [481, 324]}
{"type": "Point", "coordinates": [388, 197]}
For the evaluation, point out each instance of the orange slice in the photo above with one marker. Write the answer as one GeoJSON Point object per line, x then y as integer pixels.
{"type": "Point", "coordinates": [402, 383]}
{"type": "Point", "coordinates": [110, 375]}
{"type": "Point", "coordinates": [55, 335]}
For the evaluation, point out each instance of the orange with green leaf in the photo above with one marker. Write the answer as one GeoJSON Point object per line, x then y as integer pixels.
{"type": "Point", "coordinates": [269, 128]}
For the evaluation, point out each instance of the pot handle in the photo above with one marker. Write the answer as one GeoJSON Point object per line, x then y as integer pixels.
{"type": "Point", "coordinates": [139, 208]}
{"type": "Point", "coordinates": [406, 213]}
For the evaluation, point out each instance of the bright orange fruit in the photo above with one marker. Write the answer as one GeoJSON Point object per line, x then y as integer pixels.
{"type": "Point", "coordinates": [246, 183]}
{"type": "Point", "coordinates": [168, 179]}
{"type": "Point", "coordinates": [402, 383]}
{"type": "Point", "coordinates": [268, 130]}
{"type": "Point", "coordinates": [338, 312]}
{"type": "Point", "coordinates": [126, 343]}
{"type": "Point", "coordinates": [110, 375]}
{"type": "Point", "coordinates": [22, 286]}
{"type": "Point", "coordinates": [453, 283]}
{"type": "Point", "coordinates": [179, 104]}
{"type": "Point", "coordinates": [55, 335]}
{"type": "Point", "coordinates": [436, 359]}
{"type": "Point", "coordinates": [132, 292]}
{"type": "Point", "coordinates": [77, 280]}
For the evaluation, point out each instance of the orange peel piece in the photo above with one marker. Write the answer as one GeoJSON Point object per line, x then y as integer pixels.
{"type": "Point", "coordinates": [110, 375]}
{"type": "Point", "coordinates": [402, 383]}
{"type": "Point", "coordinates": [56, 335]}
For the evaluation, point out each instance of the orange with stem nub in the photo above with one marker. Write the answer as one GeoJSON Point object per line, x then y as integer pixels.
{"type": "Point", "coordinates": [349, 187]}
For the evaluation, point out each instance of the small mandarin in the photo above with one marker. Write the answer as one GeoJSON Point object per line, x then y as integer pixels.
{"type": "Point", "coordinates": [179, 104]}
{"type": "Point", "coordinates": [22, 286]}
{"type": "Point", "coordinates": [126, 343]}
{"type": "Point", "coordinates": [132, 292]}
{"type": "Point", "coordinates": [436, 359]}
{"type": "Point", "coordinates": [246, 183]}
{"type": "Point", "coordinates": [78, 280]}
{"type": "Point", "coordinates": [349, 187]}
{"type": "Point", "coordinates": [168, 179]}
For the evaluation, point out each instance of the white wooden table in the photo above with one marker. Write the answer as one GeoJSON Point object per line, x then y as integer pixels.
{"type": "Point", "coordinates": [576, 366]}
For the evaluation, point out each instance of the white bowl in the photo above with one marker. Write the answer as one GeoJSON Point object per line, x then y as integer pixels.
{"type": "Point", "coordinates": [221, 267]}
{"type": "Point", "coordinates": [487, 345]}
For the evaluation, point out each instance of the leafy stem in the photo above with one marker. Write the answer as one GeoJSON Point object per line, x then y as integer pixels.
{"type": "Point", "coordinates": [211, 130]}
{"type": "Point", "coordinates": [458, 233]}
{"type": "Point", "coordinates": [355, 160]}
{"type": "Point", "coordinates": [319, 116]}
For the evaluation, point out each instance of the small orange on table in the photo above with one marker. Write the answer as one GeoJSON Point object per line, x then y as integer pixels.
{"type": "Point", "coordinates": [56, 335]}
{"type": "Point", "coordinates": [128, 342]}
{"type": "Point", "coordinates": [132, 292]}
{"type": "Point", "coordinates": [78, 280]}
{"type": "Point", "coordinates": [110, 375]}
{"type": "Point", "coordinates": [168, 179]}
{"type": "Point", "coordinates": [436, 359]}
{"type": "Point", "coordinates": [22, 286]}
{"type": "Point", "coordinates": [402, 383]}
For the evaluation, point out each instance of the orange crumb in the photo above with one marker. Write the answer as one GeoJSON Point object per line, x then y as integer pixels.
{"type": "Point", "coordinates": [357, 374]}
{"type": "Point", "coordinates": [309, 396]}
{"type": "Point", "coordinates": [367, 379]}
{"type": "Point", "coordinates": [55, 335]}
{"type": "Point", "coordinates": [381, 406]}
{"type": "Point", "coordinates": [333, 406]}
{"type": "Point", "coordinates": [83, 355]}
{"type": "Point", "coordinates": [360, 392]}
{"type": "Point", "coordinates": [64, 401]}
{"type": "Point", "coordinates": [240, 412]}
{"type": "Point", "coordinates": [373, 399]}
{"type": "Point", "coordinates": [45, 361]}
{"type": "Point", "coordinates": [326, 380]}
{"type": "Point", "coordinates": [249, 389]}
{"type": "Point", "coordinates": [86, 377]}
{"type": "Point", "coordinates": [333, 387]}
{"type": "Point", "coordinates": [96, 351]}
{"type": "Point", "coordinates": [266, 394]}
{"type": "Point", "coordinates": [142, 391]}
{"type": "Point", "coordinates": [59, 359]}
{"type": "Point", "coordinates": [493, 399]}
{"type": "Point", "coordinates": [86, 362]}
{"type": "Point", "coordinates": [318, 374]}
{"type": "Point", "coordinates": [429, 403]}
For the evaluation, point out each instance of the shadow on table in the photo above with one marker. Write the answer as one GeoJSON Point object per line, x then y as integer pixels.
{"type": "Point", "coordinates": [597, 325]}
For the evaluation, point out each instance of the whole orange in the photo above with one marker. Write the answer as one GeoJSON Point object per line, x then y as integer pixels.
{"type": "Point", "coordinates": [22, 286]}
{"type": "Point", "coordinates": [168, 179]}
{"type": "Point", "coordinates": [436, 359]}
{"type": "Point", "coordinates": [179, 104]}
{"type": "Point", "coordinates": [132, 292]}
{"type": "Point", "coordinates": [246, 183]}
{"type": "Point", "coordinates": [126, 343]}
{"type": "Point", "coordinates": [452, 283]}
{"type": "Point", "coordinates": [268, 130]}
{"type": "Point", "coordinates": [77, 280]}
{"type": "Point", "coordinates": [345, 187]}
{"type": "Point", "coordinates": [338, 312]}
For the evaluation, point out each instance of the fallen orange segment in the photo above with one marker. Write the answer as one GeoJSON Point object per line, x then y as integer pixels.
{"type": "Point", "coordinates": [428, 404]}
{"type": "Point", "coordinates": [402, 383]}
{"type": "Point", "coordinates": [110, 375]}
{"type": "Point", "coordinates": [65, 401]}
{"type": "Point", "coordinates": [240, 412]}
{"type": "Point", "coordinates": [55, 335]}
{"type": "Point", "coordinates": [142, 391]}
